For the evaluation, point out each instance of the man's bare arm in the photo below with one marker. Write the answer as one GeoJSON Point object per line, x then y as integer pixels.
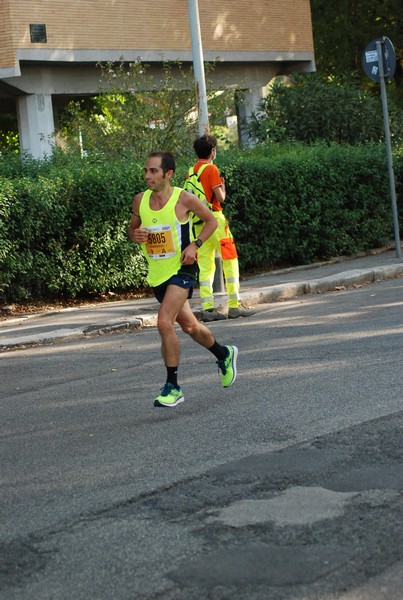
{"type": "Point", "coordinates": [219, 191]}
{"type": "Point", "coordinates": [135, 232]}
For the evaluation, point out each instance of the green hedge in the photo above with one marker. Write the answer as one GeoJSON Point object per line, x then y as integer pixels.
{"type": "Point", "coordinates": [65, 234]}
{"type": "Point", "coordinates": [310, 203]}
{"type": "Point", "coordinates": [63, 223]}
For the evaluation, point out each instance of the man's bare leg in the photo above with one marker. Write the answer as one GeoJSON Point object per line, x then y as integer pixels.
{"type": "Point", "coordinates": [197, 330]}
{"type": "Point", "coordinates": [172, 304]}
{"type": "Point", "coordinates": [226, 355]}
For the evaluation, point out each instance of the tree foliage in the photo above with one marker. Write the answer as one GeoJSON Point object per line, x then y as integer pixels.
{"type": "Point", "coordinates": [311, 108]}
{"type": "Point", "coordinates": [137, 111]}
{"type": "Point", "coordinates": [339, 103]}
{"type": "Point", "coordinates": [9, 142]}
{"type": "Point", "coordinates": [343, 28]}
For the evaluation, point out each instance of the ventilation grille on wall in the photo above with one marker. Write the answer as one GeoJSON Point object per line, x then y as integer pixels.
{"type": "Point", "coordinates": [38, 34]}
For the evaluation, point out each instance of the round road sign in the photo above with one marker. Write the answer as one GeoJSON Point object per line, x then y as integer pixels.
{"type": "Point", "coordinates": [370, 59]}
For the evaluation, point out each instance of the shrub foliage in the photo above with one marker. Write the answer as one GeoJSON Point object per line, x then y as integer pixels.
{"type": "Point", "coordinates": [310, 108]}
{"type": "Point", "coordinates": [308, 204]}
{"type": "Point", "coordinates": [63, 223]}
{"type": "Point", "coordinates": [65, 234]}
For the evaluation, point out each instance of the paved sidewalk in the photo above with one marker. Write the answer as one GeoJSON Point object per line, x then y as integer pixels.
{"type": "Point", "coordinates": [131, 315]}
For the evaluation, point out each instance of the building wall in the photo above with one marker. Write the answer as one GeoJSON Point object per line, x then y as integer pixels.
{"type": "Point", "coordinates": [249, 42]}
{"type": "Point", "coordinates": [7, 48]}
{"type": "Point", "coordinates": [230, 25]}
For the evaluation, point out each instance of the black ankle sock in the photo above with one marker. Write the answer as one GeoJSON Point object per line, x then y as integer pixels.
{"type": "Point", "coordinates": [172, 376]}
{"type": "Point", "coordinates": [220, 352]}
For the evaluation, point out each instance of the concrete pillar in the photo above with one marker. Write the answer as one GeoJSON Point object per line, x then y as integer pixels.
{"type": "Point", "coordinates": [244, 108]}
{"type": "Point", "coordinates": [36, 125]}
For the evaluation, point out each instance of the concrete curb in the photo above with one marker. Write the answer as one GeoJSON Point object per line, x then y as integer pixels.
{"type": "Point", "coordinates": [347, 278]}
{"type": "Point", "coordinates": [265, 295]}
{"type": "Point", "coordinates": [70, 334]}
{"type": "Point", "coordinates": [130, 324]}
{"type": "Point", "coordinates": [287, 291]}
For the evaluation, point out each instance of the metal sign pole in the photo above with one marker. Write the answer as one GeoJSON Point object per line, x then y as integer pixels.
{"type": "Point", "coordinates": [379, 47]}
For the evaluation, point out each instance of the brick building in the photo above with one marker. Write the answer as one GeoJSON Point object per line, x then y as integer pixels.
{"type": "Point", "coordinates": [49, 49]}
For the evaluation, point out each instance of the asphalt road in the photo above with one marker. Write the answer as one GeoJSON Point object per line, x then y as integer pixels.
{"type": "Point", "coordinates": [285, 486]}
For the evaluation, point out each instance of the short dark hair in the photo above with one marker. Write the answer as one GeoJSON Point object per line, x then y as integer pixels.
{"type": "Point", "coordinates": [167, 160]}
{"type": "Point", "coordinates": [204, 145]}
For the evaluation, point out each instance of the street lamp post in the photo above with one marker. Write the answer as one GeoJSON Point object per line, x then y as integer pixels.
{"type": "Point", "coordinates": [202, 111]}
{"type": "Point", "coordinates": [198, 67]}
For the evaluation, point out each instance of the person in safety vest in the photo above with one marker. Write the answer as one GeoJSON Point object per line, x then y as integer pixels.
{"type": "Point", "coordinates": [204, 180]}
{"type": "Point", "coordinates": [162, 223]}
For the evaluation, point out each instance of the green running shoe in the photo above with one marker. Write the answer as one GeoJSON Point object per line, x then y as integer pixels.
{"type": "Point", "coordinates": [228, 366]}
{"type": "Point", "coordinates": [169, 396]}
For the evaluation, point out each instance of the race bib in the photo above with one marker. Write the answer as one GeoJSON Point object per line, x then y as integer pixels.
{"type": "Point", "coordinates": [160, 242]}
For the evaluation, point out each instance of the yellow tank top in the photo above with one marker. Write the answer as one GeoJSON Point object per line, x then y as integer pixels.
{"type": "Point", "coordinates": [167, 238]}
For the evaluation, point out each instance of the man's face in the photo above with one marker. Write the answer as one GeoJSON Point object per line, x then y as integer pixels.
{"type": "Point", "coordinates": [153, 174]}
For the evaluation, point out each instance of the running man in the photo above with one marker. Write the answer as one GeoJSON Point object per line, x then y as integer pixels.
{"type": "Point", "coordinates": [162, 223]}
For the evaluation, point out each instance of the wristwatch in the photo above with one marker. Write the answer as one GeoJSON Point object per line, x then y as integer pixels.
{"type": "Point", "coordinates": [198, 243]}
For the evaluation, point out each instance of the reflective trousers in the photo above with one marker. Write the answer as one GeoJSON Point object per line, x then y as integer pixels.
{"type": "Point", "coordinates": [222, 241]}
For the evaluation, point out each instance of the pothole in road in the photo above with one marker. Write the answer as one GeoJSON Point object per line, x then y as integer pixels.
{"type": "Point", "coordinates": [296, 506]}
